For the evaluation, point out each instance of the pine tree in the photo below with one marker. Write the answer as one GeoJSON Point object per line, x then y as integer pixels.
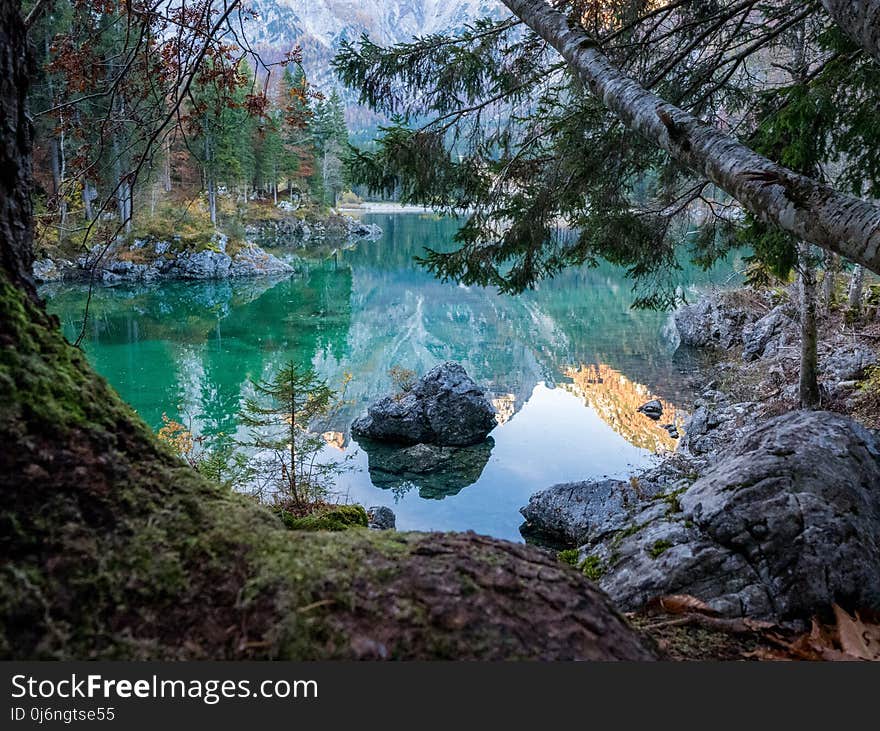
{"type": "Point", "coordinates": [279, 417]}
{"type": "Point", "coordinates": [330, 137]}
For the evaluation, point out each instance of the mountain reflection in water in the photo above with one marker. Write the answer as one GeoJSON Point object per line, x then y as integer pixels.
{"type": "Point", "coordinates": [566, 365]}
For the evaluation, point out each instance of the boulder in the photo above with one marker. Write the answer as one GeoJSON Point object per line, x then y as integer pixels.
{"type": "Point", "coordinates": [45, 270]}
{"type": "Point", "coordinates": [784, 524]}
{"type": "Point", "coordinates": [848, 363]}
{"type": "Point", "coordinates": [574, 513]}
{"type": "Point", "coordinates": [653, 409]}
{"type": "Point", "coordinates": [570, 513]}
{"type": "Point", "coordinates": [716, 423]}
{"type": "Point", "coordinates": [769, 335]}
{"type": "Point", "coordinates": [159, 260]}
{"type": "Point", "coordinates": [712, 321]}
{"type": "Point", "coordinates": [381, 518]}
{"type": "Point", "coordinates": [205, 264]}
{"type": "Point", "coordinates": [444, 407]}
{"type": "Point", "coordinates": [250, 260]}
{"type": "Point", "coordinates": [360, 230]}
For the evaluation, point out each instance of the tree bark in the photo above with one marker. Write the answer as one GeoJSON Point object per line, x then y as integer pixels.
{"type": "Point", "coordinates": [860, 20]}
{"type": "Point", "coordinates": [854, 299]}
{"type": "Point", "coordinates": [809, 365]}
{"type": "Point", "coordinates": [166, 165]}
{"type": "Point", "coordinates": [113, 548]}
{"type": "Point", "coordinates": [829, 280]}
{"type": "Point", "coordinates": [813, 212]}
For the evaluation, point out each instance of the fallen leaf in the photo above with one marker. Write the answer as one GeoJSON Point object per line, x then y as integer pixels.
{"type": "Point", "coordinates": [857, 638]}
{"type": "Point", "coordinates": [681, 604]}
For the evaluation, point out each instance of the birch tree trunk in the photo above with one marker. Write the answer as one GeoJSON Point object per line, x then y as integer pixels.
{"type": "Point", "coordinates": [860, 20]}
{"type": "Point", "coordinates": [856, 285]}
{"type": "Point", "coordinates": [813, 212]}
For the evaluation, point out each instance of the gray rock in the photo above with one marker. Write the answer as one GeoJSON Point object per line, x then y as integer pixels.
{"type": "Point", "coordinates": [653, 409]}
{"type": "Point", "coordinates": [252, 261]}
{"type": "Point", "coordinates": [769, 335]}
{"type": "Point", "coordinates": [249, 261]}
{"type": "Point", "coordinates": [569, 513]}
{"type": "Point", "coordinates": [712, 321]}
{"type": "Point", "coordinates": [848, 363]}
{"type": "Point", "coordinates": [381, 518]}
{"type": "Point", "coordinates": [444, 407]}
{"type": "Point", "coordinates": [714, 425]}
{"type": "Point", "coordinates": [45, 270]}
{"type": "Point", "coordinates": [574, 512]}
{"type": "Point", "coordinates": [360, 230]}
{"type": "Point", "coordinates": [786, 523]}
{"type": "Point", "coordinates": [205, 264]}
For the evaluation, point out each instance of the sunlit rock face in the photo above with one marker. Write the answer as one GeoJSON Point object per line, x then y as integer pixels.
{"type": "Point", "coordinates": [505, 407]}
{"type": "Point", "coordinates": [616, 399]}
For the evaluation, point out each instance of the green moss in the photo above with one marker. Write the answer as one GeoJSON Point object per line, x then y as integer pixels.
{"type": "Point", "coordinates": [659, 548]}
{"type": "Point", "coordinates": [338, 518]}
{"type": "Point", "coordinates": [592, 567]}
{"type": "Point", "coordinates": [672, 501]}
{"type": "Point", "coordinates": [625, 533]}
{"type": "Point", "coordinates": [569, 556]}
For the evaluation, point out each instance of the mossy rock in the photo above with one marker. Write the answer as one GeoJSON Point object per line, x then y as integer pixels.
{"type": "Point", "coordinates": [340, 517]}
{"type": "Point", "coordinates": [658, 548]}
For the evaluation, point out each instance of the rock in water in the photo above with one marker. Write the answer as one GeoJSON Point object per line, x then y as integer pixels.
{"type": "Point", "coordinates": [444, 407]}
{"type": "Point", "coordinates": [571, 513]}
{"type": "Point", "coordinates": [653, 409]}
{"type": "Point", "coordinates": [785, 524]}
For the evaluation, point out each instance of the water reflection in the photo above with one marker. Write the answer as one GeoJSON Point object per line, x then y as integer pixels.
{"type": "Point", "coordinates": [616, 399]}
{"type": "Point", "coordinates": [434, 472]}
{"type": "Point", "coordinates": [189, 349]}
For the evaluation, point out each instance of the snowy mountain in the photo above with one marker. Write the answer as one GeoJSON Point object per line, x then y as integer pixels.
{"type": "Point", "coordinates": [319, 25]}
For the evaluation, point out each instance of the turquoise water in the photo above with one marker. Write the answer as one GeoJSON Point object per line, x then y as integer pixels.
{"type": "Point", "coordinates": [566, 364]}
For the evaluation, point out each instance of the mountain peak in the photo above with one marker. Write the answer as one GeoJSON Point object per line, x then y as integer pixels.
{"type": "Point", "coordinates": [323, 23]}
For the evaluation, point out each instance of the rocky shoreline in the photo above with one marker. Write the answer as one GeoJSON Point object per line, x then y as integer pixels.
{"type": "Point", "coordinates": [150, 261]}
{"type": "Point", "coordinates": [763, 511]}
{"type": "Point", "coordinates": [145, 260]}
{"type": "Point", "coordinates": [300, 232]}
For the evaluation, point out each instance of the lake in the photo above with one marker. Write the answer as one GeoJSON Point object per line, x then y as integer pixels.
{"type": "Point", "coordinates": [566, 365]}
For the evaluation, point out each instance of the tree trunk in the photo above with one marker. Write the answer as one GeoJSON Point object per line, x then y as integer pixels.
{"type": "Point", "coordinates": [88, 195]}
{"type": "Point", "coordinates": [166, 165]}
{"type": "Point", "coordinates": [860, 20]}
{"type": "Point", "coordinates": [829, 280]}
{"type": "Point", "coordinates": [809, 367]}
{"type": "Point", "coordinates": [854, 299]}
{"type": "Point", "coordinates": [813, 212]}
{"type": "Point", "coordinates": [112, 547]}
